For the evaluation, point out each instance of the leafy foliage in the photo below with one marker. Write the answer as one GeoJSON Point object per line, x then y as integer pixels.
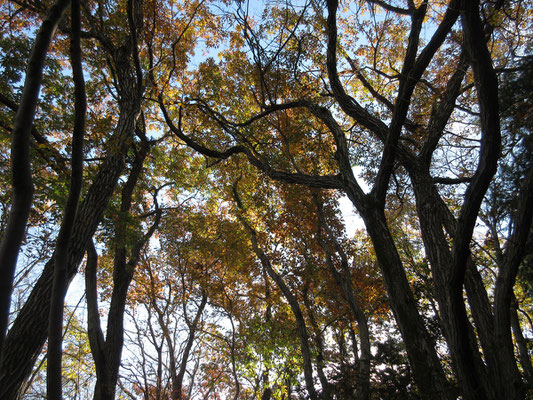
{"type": "Point", "coordinates": [233, 132]}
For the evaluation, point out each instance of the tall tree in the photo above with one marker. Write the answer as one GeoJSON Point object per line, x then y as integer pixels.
{"type": "Point", "coordinates": [59, 287]}
{"type": "Point", "coordinates": [107, 352]}
{"type": "Point", "coordinates": [390, 107]}
{"type": "Point", "coordinates": [19, 352]}
{"type": "Point", "coordinates": [20, 162]}
{"type": "Point", "coordinates": [275, 150]}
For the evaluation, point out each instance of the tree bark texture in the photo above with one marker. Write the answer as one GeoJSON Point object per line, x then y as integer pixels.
{"type": "Point", "coordinates": [26, 337]}
{"type": "Point", "coordinates": [511, 381]}
{"type": "Point", "coordinates": [521, 343]}
{"type": "Point", "coordinates": [477, 381]}
{"type": "Point", "coordinates": [427, 370]}
{"type": "Point", "coordinates": [471, 372]}
{"type": "Point", "coordinates": [424, 361]}
{"type": "Point", "coordinates": [439, 254]}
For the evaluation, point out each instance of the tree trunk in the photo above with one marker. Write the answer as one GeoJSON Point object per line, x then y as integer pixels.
{"type": "Point", "coordinates": [20, 163]}
{"type": "Point", "coordinates": [458, 335]}
{"type": "Point", "coordinates": [503, 297]}
{"type": "Point", "coordinates": [107, 375]}
{"type": "Point", "coordinates": [59, 286]}
{"type": "Point", "coordinates": [26, 338]}
{"type": "Point", "coordinates": [123, 270]}
{"type": "Point", "coordinates": [300, 322]}
{"type": "Point", "coordinates": [427, 370]}
{"type": "Point", "coordinates": [521, 343]}
{"type": "Point", "coordinates": [291, 299]}
{"type": "Point", "coordinates": [319, 343]}
{"type": "Point", "coordinates": [177, 381]}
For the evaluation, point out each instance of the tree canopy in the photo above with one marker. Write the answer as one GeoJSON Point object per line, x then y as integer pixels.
{"type": "Point", "coordinates": [266, 200]}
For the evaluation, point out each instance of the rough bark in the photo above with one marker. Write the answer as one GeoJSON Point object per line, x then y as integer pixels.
{"type": "Point", "coordinates": [463, 346]}
{"type": "Point", "coordinates": [434, 216]}
{"type": "Point", "coordinates": [427, 370]}
{"type": "Point", "coordinates": [26, 338]}
{"type": "Point", "coordinates": [20, 162]}
{"type": "Point", "coordinates": [423, 359]}
{"type": "Point", "coordinates": [439, 254]}
{"type": "Point", "coordinates": [94, 330]}
{"type": "Point", "coordinates": [521, 343]}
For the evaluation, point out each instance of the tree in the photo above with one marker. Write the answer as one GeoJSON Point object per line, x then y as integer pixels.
{"type": "Point", "coordinates": [19, 354]}
{"type": "Point", "coordinates": [59, 286]}
{"type": "Point", "coordinates": [20, 162]}
{"type": "Point", "coordinates": [406, 121]}
{"type": "Point", "coordinates": [127, 252]}
{"type": "Point", "coordinates": [413, 111]}
{"type": "Point", "coordinates": [167, 301]}
{"type": "Point", "coordinates": [78, 365]}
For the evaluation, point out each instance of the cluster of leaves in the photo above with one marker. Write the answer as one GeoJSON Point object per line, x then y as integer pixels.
{"type": "Point", "coordinates": [223, 230]}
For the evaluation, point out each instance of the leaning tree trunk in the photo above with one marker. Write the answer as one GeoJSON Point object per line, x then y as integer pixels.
{"type": "Point", "coordinates": [423, 359]}
{"type": "Point", "coordinates": [439, 254]}
{"type": "Point", "coordinates": [26, 338]}
{"type": "Point", "coordinates": [521, 343]}
{"type": "Point", "coordinates": [319, 346]}
{"type": "Point", "coordinates": [470, 370]}
{"type": "Point", "coordinates": [300, 322]}
{"type": "Point", "coordinates": [504, 294]}
{"type": "Point", "coordinates": [291, 299]}
{"type": "Point", "coordinates": [427, 369]}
